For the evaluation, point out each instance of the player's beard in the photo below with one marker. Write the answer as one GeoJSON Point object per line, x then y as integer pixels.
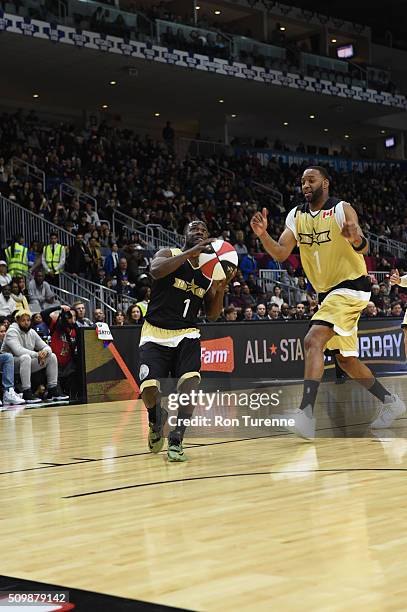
{"type": "Point", "coordinates": [316, 194]}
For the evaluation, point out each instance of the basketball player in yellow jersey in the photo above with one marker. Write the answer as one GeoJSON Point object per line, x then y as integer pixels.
{"type": "Point", "coordinates": [331, 247]}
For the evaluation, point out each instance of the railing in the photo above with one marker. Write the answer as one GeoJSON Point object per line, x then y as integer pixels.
{"type": "Point", "coordinates": [69, 191]}
{"type": "Point", "coordinates": [27, 169]}
{"type": "Point", "coordinates": [268, 279]}
{"type": "Point", "coordinates": [96, 295]}
{"type": "Point", "coordinates": [17, 220]}
{"type": "Point", "coordinates": [153, 239]}
{"type": "Point", "coordinates": [66, 297]}
{"type": "Point", "coordinates": [384, 244]}
{"type": "Point", "coordinates": [274, 194]}
{"type": "Point", "coordinates": [203, 40]}
{"type": "Point", "coordinates": [199, 148]}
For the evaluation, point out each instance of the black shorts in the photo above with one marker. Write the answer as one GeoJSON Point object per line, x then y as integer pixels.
{"type": "Point", "coordinates": [158, 363]}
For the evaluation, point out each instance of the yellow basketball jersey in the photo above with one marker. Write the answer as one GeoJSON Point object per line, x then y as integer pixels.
{"type": "Point", "coordinates": [327, 258]}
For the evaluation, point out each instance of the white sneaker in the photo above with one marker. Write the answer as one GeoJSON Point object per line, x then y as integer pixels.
{"type": "Point", "coordinates": [11, 397]}
{"type": "Point", "coordinates": [304, 423]}
{"type": "Point", "coordinates": [392, 408]}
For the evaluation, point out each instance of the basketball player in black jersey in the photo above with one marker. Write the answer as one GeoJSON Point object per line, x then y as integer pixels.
{"type": "Point", "coordinates": [169, 342]}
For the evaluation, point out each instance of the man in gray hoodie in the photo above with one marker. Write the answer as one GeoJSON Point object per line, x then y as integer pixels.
{"type": "Point", "coordinates": [31, 354]}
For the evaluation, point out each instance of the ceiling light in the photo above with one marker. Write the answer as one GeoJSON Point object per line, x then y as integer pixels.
{"type": "Point", "coordinates": [156, 114]}
{"type": "Point", "coordinates": [285, 123]}
{"type": "Point", "coordinates": [221, 101]}
{"type": "Point", "coordinates": [197, 8]}
{"type": "Point", "coordinates": [282, 29]}
{"type": "Point", "coordinates": [364, 148]}
{"type": "Point", "coordinates": [217, 12]}
{"type": "Point", "coordinates": [325, 129]}
{"type": "Point", "coordinates": [382, 131]}
{"type": "Point", "coordinates": [333, 40]}
{"type": "Point", "coordinates": [346, 135]}
{"type": "Point", "coordinates": [113, 83]}
{"type": "Point", "coordinates": [105, 106]}
{"type": "Point", "coordinates": [36, 95]}
{"type": "Point", "coordinates": [312, 116]}
{"type": "Point", "coordinates": [233, 116]}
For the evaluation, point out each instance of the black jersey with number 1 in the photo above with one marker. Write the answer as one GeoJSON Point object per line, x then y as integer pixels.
{"type": "Point", "coordinates": [177, 298]}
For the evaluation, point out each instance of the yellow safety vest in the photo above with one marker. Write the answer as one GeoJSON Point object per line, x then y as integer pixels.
{"type": "Point", "coordinates": [52, 259]}
{"type": "Point", "coordinates": [17, 264]}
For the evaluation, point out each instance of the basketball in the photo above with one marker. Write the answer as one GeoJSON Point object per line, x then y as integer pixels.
{"type": "Point", "coordinates": [218, 260]}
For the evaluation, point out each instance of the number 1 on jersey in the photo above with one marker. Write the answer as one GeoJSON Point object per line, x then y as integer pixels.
{"type": "Point", "coordinates": [316, 255]}
{"type": "Point", "coordinates": [187, 303]}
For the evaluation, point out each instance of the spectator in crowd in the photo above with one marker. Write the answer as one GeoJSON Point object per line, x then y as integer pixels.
{"type": "Point", "coordinates": [261, 312]}
{"type": "Point", "coordinates": [79, 258]}
{"type": "Point", "coordinates": [119, 318]}
{"type": "Point", "coordinates": [240, 246]}
{"type": "Point", "coordinates": [249, 299]}
{"type": "Point", "coordinates": [10, 397]}
{"type": "Point", "coordinates": [34, 257]}
{"type": "Point", "coordinates": [273, 313]}
{"type": "Point", "coordinates": [111, 263]}
{"type": "Point", "coordinates": [248, 265]}
{"type": "Point", "coordinates": [40, 326]}
{"type": "Point", "coordinates": [236, 299]}
{"type": "Point", "coordinates": [276, 297]}
{"type": "Point", "coordinates": [99, 315]}
{"type": "Point", "coordinates": [168, 134]}
{"type": "Point", "coordinates": [134, 315]}
{"type": "Point", "coordinates": [40, 293]}
{"type": "Point", "coordinates": [285, 312]}
{"type": "Point", "coordinates": [397, 310]}
{"type": "Point", "coordinates": [300, 294]}
{"type": "Point", "coordinates": [53, 260]}
{"type": "Point", "coordinates": [96, 261]}
{"type": "Point", "coordinates": [31, 354]}
{"type": "Point", "coordinates": [5, 278]}
{"type": "Point", "coordinates": [80, 311]}
{"type": "Point", "coordinates": [230, 314]}
{"type": "Point", "coordinates": [300, 314]}
{"type": "Point", "coordinates": [19, 297]}
{"type": "Point", "coordinates": [121, 279]}
{"type": "Point", "coordinates": [7, 303]}
{"type": "Point", "coordinates": [144, 299]}
{"type": "Point", "coordinates": [370, 311]}
{"type": "Point", "coordinates": [255, 289]}
{"type": "Point", "coordinates": [17, 257]}
{"type": "Point", "coordinates": [61, 323]}
{"type": "Point", "coordinates": [249, 315]}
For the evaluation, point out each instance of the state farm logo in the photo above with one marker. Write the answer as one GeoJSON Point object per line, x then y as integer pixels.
{"type": "Point", "coordinates": [217, 355]}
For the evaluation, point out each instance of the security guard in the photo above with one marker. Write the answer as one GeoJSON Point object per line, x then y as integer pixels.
{"type": "Point", "coordinates": [53, 260]}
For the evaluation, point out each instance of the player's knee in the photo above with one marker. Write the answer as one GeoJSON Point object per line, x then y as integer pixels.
{"type": "Point", "coordinates": [313, 340]}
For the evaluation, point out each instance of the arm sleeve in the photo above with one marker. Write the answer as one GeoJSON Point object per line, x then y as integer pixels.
{"type": "Point", "coordinates": [45, 313]}
{"type": "Point", "coordinates": [340, 215]}
{"type": "Point", "coordinates": [290, 222]}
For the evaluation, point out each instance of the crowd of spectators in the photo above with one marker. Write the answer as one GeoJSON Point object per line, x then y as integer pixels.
{"type": "Point", "coordinates": [206, 36]}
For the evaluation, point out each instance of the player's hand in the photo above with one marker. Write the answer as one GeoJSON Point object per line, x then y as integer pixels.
{"type": "Point", "coordinates": [197, 249]}
{"type": "Point", "coordinates": [230, 273]}
{"type": "Point", "coordinates": [350, 231]}
{"type": "Point", "coordinates": [258, 222]}
{"type": "Point", "coordinates": [395, 278]}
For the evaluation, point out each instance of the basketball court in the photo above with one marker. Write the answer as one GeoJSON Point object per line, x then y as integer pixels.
{"type": "Point", "coordinates": [272, 522]}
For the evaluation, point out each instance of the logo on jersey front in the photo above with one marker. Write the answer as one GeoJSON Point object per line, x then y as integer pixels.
{"type": "Point", "coordinates": [314, 238]}
{"type": "Point", "coordinates": [187, 286]}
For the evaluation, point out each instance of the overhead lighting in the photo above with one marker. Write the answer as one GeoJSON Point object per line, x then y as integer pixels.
{"type": "Point", "coordinates": [156, 114]}
{"type": "Point", "coordinates": [364, 148]}
{"type": "Point", "coordinates": [325, 129]}
{"type": "Point", "coordinates": [217, 12]}
{"type": "Point", "coordinates": [221, 101]}
{"type": "Point", "coordinates": [197, 8]}
{"type": "Point", "coordinates": [36, 95]}
{"type": "Point", "coordinates": [382, 131]}
{"type": "Point", "coordinates": [346, 135]}
{"type": "Point", "coordinates": [285, 123]}
{"type": "Point", "coordinates": [312, 116]}
{"type": "Point", "coordinates": [113, 83]}
{"type": "Point", "coordinates": [105, 106]}
{"type": "Point", "coordinates": [233, 116]}
{"type": "Point", "coordinates": [333, 40]}
{"type": "Point", "coordinates": [282, 29]}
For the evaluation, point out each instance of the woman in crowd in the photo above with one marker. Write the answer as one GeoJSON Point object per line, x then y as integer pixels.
{"type": "Point", "coordinates": [134, 315]}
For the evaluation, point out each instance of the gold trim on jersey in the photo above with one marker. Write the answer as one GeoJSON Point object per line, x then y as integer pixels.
{"type": "Point", "coordinates": [179, 283]}
{"type": "Point", "coordinates": [187, 376]}
{"type": "Point", "coordinates": [166, 337]}
{"type": "Point", "coordinates": [150, 383]}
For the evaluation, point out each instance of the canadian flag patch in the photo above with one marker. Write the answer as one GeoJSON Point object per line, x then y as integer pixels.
{"type": "Point", "coordinates": [327, 213]}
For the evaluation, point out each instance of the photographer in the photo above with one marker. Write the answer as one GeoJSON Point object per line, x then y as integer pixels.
{"type": "Point", "coordinates": [61, 322]}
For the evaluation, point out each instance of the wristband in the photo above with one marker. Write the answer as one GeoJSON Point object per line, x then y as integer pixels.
{"type": "Point", "coordinates": [361, 245]}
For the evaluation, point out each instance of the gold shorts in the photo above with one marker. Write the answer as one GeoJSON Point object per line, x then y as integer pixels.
{"type": "Point", "coordinates": [342, 311]}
